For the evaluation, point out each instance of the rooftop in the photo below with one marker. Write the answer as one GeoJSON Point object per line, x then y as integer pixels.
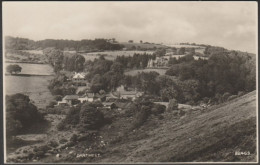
{"type": "Point", "coordinates": [71, 97]}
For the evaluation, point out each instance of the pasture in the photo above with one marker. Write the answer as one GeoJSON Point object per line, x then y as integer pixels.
{"type": "Point", "coordinates": [36, 87]}
{"type": "Point", "coordinates": [142, 45]}
{"type": "Point", "coordinates": [34, 69]}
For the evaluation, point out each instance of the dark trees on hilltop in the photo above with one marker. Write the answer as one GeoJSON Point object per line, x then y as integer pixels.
{"type": "Point", "coordinates": [83, 45]}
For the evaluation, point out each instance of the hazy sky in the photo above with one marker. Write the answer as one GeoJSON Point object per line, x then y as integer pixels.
{"type": "Point", "coordinates": [229, 24]}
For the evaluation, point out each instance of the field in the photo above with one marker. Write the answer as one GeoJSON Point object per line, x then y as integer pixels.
{"type": "Point", "coordinates": [135, 72]}
{"type": "Point", "coordinates": [35, 87]}
{"type": "Point", "coordinates": [34, 69]}
{"type": "Point", "coordinates": [111, 55]}
{"type": "Point", "coordinates": [40, 52]}
{"type": "Point", "coordinates": [142, 45]}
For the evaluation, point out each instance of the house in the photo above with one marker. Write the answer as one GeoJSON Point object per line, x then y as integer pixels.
{"type": "Point", "coordinates": [79, 77]}
{"type": "Point", "coordinates": [122, 93]}
{"type": "Point", "coordinates": [158, 62]}
{"type": "Point", "coordinates": [89, 97]}
{"type": "Point", "coordinates": [69, 100]}
{"type": "Point", "coordinates": [109, 105]}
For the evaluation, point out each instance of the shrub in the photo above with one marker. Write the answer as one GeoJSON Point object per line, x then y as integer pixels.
{"type": "Point", "coordinates": [62, 141]}
{"type": "Point", "coordinates": [58, 98]}
{"type": "Point", "coordinates": [74, 138]}
{"type": "Point", "coordinates": [173, 105]}
{"type": "Point", "coordinates": [225, 96]}
{"type": "Point", "coordinates": [158, 109]}
{"type": "Point", "coordinates": [141, 117]}
{"type": "Point", "coordinates": [241, 93]}
{"type": "Point", "coordinates": [232, 97]}
{"type": "Point", "coordinates": [51, 104]}
{"type": "Point", "coordinates": [61, 126]}
{"type": "Point", "coordinates": [53, 144]}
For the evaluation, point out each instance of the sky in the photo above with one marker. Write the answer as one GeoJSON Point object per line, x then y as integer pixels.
{"type": "Point", "coordinates": [232, 25]}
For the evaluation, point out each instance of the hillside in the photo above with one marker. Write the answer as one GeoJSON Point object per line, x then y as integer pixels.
{"type": "Point", "coordinates": [214, 134]}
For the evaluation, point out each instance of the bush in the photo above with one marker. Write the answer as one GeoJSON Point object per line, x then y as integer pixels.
{"type": "Point", "coordinates": [241, 93]}
{"type": "Point", "coordinates": [62, 141]}
{"type": "Point", "coordinates": [58, 98]}
{"type": "Point", "coordinates": [158, 109]}
{"type": "Point", "coordinates": [141, 117]}
{"type": "Point", "coordinates": [232, 97]}
{"type": "Point", "coordinates": [51, 104]}
{"type": "Point", "coordinates": [61, 126]}
{"type": "Point", "coordinates": [173, 105]}
{"type": "Point", "coordinates": [226, 96]}
{"type": "Point", "coordinates": [53, 144]}
{"type": "Point", "coordinates": [74, 138]}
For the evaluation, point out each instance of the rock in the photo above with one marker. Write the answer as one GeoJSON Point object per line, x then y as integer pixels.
{"type": "Point", "coordinates": [58, 155]}
{"type": "Point", "coordinates": [34, 160]}
{"type": "Point", "coordinates": [71, 152]}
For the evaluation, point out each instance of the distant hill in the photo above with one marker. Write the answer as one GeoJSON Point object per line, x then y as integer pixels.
{"type": "Point", "coordinates": [17, 43]}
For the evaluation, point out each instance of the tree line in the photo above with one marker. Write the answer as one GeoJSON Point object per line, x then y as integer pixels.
{"type": "Point", "coordinates": [16, 43]}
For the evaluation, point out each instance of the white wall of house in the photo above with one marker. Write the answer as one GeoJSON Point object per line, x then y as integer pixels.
{"type": "Point", "coordinates": [86, 99]}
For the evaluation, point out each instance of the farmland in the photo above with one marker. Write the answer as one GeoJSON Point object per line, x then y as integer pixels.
{"type": "Point", "coordinates": [35, 87]}
{"type": "Point", "coordinates": [142, 45]}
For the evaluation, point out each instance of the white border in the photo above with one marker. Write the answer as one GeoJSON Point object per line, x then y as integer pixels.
{"type": "Point", "coordinates": [4, 91]}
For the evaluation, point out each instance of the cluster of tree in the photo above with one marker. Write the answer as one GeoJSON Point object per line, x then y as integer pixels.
{"type": "Point", "coordinates": [60, 85]}
{"type": "Point", "coordinates": [224, 72]}
{"type": "Point", "coordinates": [20, 114]}
{"type": "Point", "coordinates": [186, 58]}
{"type": "Point", "coordinates": [67, 61]}
{"type": "Point", "coordinates": [210, 50]}
{"type": "Point", "coordinates": [166, 87]}
{"type": "Point", "coordinates": [141, 110]}
{"type": "Point", "coordinates": [137, 61]}
{"type": "Point", "coordinates": [189, 80]}
{"type": "Point", "coordinates": [104, 74]}
{"type": "Point", "coordinates": [83, 45]}
{"type": "Point", "coordinates": [85, 116]}
{"type": "Point", "coordinates": [13, 69]}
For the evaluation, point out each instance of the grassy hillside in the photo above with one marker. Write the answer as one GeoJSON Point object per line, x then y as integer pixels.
{"type": "Point", "coordinates": [212, 134]}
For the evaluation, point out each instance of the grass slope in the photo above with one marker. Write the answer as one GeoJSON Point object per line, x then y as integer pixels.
{"type": "Point", "coordinates": [214, 134]}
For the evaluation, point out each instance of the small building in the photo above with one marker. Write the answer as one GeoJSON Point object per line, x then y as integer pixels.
{"type": "Point", "coordinates": [89, 97]}
{"type": "Point", "coordinates": [79, 77]}
{"type": "Point", "coordinates": [158, 62]}
{"type": "Point", "coordinates": [109, 105]}
{"type": "Point", "coordinates": [122, 93]}
{"type": "Point", "coordinates": [69, 100]}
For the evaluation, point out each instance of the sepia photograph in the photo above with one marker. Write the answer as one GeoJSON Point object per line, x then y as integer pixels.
{"type": "Point", "coordinates": [110, 82]}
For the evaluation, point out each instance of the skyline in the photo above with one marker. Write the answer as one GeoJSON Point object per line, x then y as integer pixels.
{"type": "Point", "coordinates": [232, 25]}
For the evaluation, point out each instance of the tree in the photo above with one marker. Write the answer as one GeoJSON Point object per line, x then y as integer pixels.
{"type": "Point", "coordinates": [55, 58]}
{"type": "Point", "coordinates": [181, 51]}
{"type": "Point", "coordinates": [90, 116]}
{"type": "Point", "coordinates": [13, 69]}
{"type": "Point", "coordinates": [20, 113]}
